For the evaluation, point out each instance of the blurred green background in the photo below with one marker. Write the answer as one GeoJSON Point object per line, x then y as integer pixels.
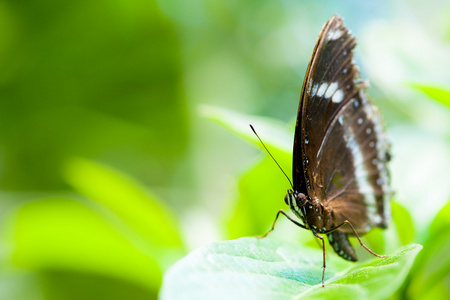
{"type": "Point", "coordinates": [121, 126]}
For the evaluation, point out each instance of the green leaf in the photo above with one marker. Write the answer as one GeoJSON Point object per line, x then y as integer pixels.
{"type": "Point", "coordinates": [261, 187]}
{"type": "Point", "coordinates": [403, 223]}
{"type": "Point", "coordinates": [65, 234]}
{"type": "Point", "coordinates": [433, 264]}
{"type": "Point", "coordinates": [114, 237]}
{"type": "Point", "coordinates": [140, 214]}
{"type": "Point", "coordinates": [437, 93]}
{"type": "Point", "coordinates": [252, 268]}
{"type": "Point", "coordinates": [273, 132]}
{"type": "Point", "coordinates": [116, 234]}
{"type": "Point", "coordinates": [260, 197]}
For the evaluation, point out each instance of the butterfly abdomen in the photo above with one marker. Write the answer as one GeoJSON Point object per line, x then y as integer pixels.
{"type": "Point", "coordinates": [341, 245]}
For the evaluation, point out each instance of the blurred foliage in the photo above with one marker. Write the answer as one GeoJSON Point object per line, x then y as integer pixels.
{"type": "Point", "coordinates": [115, 233]}
{"type": "Point", "coordinates": [439, 94]}
{"type": "Point", "coordinates": [96, 79]}
{"type": "Point", "coordinates": [431, 273]}
{"type": "Point", "coordinates": [109, 171]}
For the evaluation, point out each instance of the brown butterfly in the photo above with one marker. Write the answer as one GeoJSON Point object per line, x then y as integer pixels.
{"type": "Point", "coordinates": [340, 176]}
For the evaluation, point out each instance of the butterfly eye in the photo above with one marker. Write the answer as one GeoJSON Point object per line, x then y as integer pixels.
{"type": "Point", "coordinates": [286, 198]}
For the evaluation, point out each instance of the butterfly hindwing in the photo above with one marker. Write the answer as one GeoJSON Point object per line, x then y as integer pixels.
{"type": "Point", "coordinates": [352, 167]}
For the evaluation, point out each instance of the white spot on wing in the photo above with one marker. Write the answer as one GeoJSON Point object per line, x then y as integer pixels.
{"type": "Point", "coordinates": [323, 87]}
{"type": "Point", "coordinates": [314, 90]}
{"type": "Point", "coordinates": [331, 89]}
{"type": "Point", "coordinates": [338, 96]}
{"type": "Point", "coordinates": [334, 34]}
{"type": "Point", "coordinates": [377, 219]}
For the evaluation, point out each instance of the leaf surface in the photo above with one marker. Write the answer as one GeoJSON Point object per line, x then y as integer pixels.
{"type": "Point", "coordinates": [252, 268]}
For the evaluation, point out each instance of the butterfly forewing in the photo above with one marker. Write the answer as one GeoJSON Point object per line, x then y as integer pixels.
{"type": "Point", "coordinates": [331, 56]}
{"type": "Point", "coordinates": [298, 170]}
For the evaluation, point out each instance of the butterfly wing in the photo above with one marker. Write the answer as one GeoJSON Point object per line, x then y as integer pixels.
{"type": "Point", "coordinates": [343, 148]}
{"type": "Point", "coordinates": [356, 182]}
{"type": "Point", "coordinates": [298, 170]}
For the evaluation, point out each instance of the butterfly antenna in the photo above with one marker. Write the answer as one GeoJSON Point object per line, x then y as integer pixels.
{"type": "Point", "coordinates": [267, 150]}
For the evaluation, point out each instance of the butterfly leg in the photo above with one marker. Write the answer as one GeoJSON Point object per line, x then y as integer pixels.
{"type": "Point", "coordinates": [357, 236]}
{"type": "Point", "coordinates": [276, 218]}
{"type": "Point", "coordinates": [323, 247]}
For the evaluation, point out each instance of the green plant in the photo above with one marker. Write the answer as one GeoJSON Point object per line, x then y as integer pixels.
{"type": "Point", "coordinates": [252, 268]}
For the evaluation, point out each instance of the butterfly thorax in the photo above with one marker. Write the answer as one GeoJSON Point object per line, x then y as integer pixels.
{"type": "Point", "coordinates": [314, 215]}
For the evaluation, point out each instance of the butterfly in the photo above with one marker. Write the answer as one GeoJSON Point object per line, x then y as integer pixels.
{"type": "Point", "coordinates": [340, 184]}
